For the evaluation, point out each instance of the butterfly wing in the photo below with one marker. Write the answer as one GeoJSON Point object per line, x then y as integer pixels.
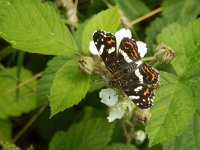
{"type": "Point", "coordinates": [105, 43]}
{"type": "Point", "coordinates": [141, 95]}
{"type": "Point", "coordinates": [128, 52]}
{"type": "Point", "coordinates": [146, 74]}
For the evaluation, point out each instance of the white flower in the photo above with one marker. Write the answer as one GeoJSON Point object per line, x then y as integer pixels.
{"type": "Point", "coordinates": [115, 114]}
{"type": "Point", "coordinates": [142, 48]}
{"type": "Point", "coordinates": [122, 33]}
{"type": "Point", "coordinates": [117, 108]}
{"type": "Point", "coordinates": [108, 96]}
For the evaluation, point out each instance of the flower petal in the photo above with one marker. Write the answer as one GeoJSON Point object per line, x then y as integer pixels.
{"type": "Point", "coordinates": [93, 48]}
{"type": "Point", "coordinates": [121, 34]}
{"type": "Point", "coordinates": [108, 96]}
{"type": "Point", "coordinates": [115, 114]}
{"type": "Point", "coordinates": [142, 48]}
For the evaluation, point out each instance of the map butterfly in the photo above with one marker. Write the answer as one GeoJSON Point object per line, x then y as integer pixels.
{"type": "Point", "coordinates": [135, 78]}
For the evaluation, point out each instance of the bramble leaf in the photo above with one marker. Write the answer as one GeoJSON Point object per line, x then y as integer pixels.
{"type": "Point", "coordinates": [88, 135]}
{"type": "Point", "coordinates": [35, 27]}
{"type": "Point", "coordinates": [68, 88]}
{"type": "Point", "coordinates": [14, 102]}
{"type": "Point", "coordinates": [107, 20]}
{"type": "Point", "coordinates": [133, 8]}
{"type": "Point", "coordinates": [185, 42]}
{"type": "Point", "coordinates": [173, 109]}
{"type": "Point", "coordinates": [5, 130]}
{"type": "Point", "coordinates": [183, 11]}
{"type": "Point", "coordinates": [44, 84]}
{"type": "Point", "coordinates": [174, 104]}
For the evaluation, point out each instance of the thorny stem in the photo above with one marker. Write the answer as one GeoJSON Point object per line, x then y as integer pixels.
{"type": "Point", "coordinates": [30, 122]}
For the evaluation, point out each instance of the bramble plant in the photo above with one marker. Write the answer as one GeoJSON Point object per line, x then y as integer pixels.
{"type": "Point", "coordinates": [75, 82]}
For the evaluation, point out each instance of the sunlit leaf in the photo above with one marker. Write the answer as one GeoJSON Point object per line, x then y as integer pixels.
{"type": "Point", "coordinates": [35, 27]}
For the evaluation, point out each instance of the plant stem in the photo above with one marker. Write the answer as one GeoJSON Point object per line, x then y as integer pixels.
{"type": "Point", "coordinates": [20, 60]}
{"type": "Point", "coordinates": [148, 58]}
{"type": "Point", "coordinates": [29, 123]}
{"type": "Point", "coordinates": [27, 81]}
{"type": "Point", "coordinates": [151, 13]}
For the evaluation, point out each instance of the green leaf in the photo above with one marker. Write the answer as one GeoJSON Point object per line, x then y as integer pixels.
{"type": "Point", "coordinates": [8, 146]}
{"type": "Point", "coordinates": [185, 42]}
{"type": "Point", "coordinates": [44, 84]}
{"type": "Point", "coordinates": [35, 27]}
{"type": "Point", "coordinates": [87, 135]}
{"type": "Point", "coordinates": [96, 83]}
{"type": "Point", "coordinates": [78, 35]}
{"type": "Point", "coordinates": [107, 20]}
{"type": "Point", "coordinates": [12, 101]}
{"type": "Point", "coordinates": [68, 88]}
{"type": "Point", "coordinates": [182, 11]}
{"type": "Point", "coordinates": [173, 109]}
{"type": "Point", "coordinates": [133, 8]}
{"type": "Point", "coordinates": [5, 130]}
{"type": "Point", "coordinates": [120, 146]}
{"type": "Point", "coordinates": [189, 139]}
{"type": "Point", "coordinates": [152, 31]}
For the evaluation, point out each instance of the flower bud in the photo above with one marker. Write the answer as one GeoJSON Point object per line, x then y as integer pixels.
{"type": "Point", "coordinates": [86, 64]}
{"type": "Point", "coordinates": [142, 115]}
{"type": "Point", "coordinates": [164, 54]}
{"type": "Point", "coordinates": [140, 136]}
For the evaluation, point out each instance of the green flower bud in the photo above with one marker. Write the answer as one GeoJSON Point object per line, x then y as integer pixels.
{"type": "Point", "coordinates": [86, 65]}
{"type": "Point", "coordinates": [142, 115]}
{"type": "Point", "coordinates": [164, 54]}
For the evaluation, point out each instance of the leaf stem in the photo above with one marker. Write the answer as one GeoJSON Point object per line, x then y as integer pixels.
{"type": "Point", "coordinates": [29, 123]}
{"type": "Point", "coordinates": [20, 60]}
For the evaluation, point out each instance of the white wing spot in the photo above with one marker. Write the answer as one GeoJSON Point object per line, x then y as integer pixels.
{"type": "Point", "coordinates": [111, 50]}
{"type": "Point", "coordinates": [137, 72]}
{"type": "Point", "coordinates": [134, 97]}
{"type": "Point", "coordinates": [125, 56]}
{"type": "Point", "coordinates": [138, 62]}
{"type": "Point", "coordinates": [138, 88]}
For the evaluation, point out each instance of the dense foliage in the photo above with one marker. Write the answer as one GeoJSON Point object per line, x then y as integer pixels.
{"type": "Point", "coordinates": [48, 100]}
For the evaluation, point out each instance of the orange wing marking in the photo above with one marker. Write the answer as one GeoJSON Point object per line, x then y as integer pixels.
{"type": "Point", "coordinates": [131, 44]}
{"type": "Point", "coordinates": [153, 75]}
{"type": "Point", "coordinates": [110, 41]}
{"type": "Point", "coordinates": [146, 92]}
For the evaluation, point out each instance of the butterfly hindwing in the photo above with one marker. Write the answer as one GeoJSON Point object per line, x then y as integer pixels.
{"type": "Point", "coordinates": [147, 75]}
{"type": "Point", "coordinates": [141, 95]}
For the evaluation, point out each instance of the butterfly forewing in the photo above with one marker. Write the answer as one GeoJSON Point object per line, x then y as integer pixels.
{"type": "Point", "coordinates": [128, 51]}
{"type": "Point", "coordinates": [105, 43]}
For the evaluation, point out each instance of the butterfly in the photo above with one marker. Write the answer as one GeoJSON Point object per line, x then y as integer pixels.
{"type": "Point", "coordinates": [135, 78]}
